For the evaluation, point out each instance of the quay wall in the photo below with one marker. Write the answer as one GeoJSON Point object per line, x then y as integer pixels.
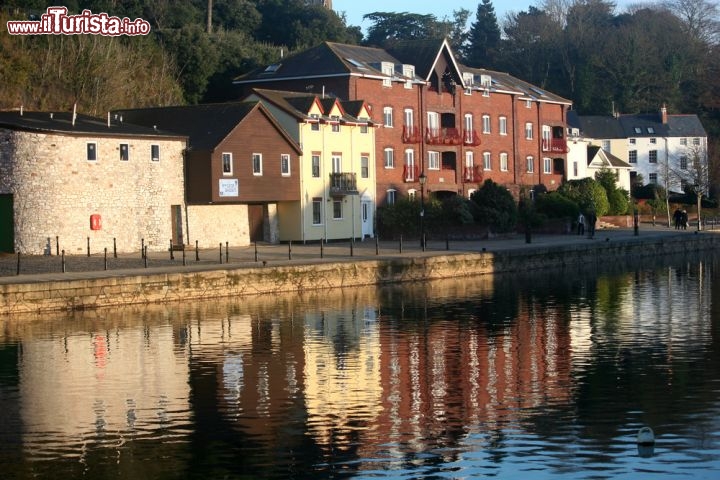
{"type": "Point", "coordinates": [128, 289]}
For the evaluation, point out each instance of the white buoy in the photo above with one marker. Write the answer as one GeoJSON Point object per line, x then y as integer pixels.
{"type": "Point", "coordinates": [646, 436]}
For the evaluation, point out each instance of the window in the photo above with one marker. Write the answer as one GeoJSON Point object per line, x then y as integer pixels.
{"type": "Point", "coordinates": [315, 125]}
{"type": "Point", "coordinates": [502, 125]}
{"type": "Point", "coordinates": [317, 211]}
{"type": "Point", "coordinates": [653, 140]}
{"type": "Point", "coordinates": [364, 166]}
{"type": "Point", "coordinates": [434, 160]}
{"type": "Point", "coordinates": [336, 163]}
{"type": "Point", "coordinates": [528, 103]}
{"type": "Point", "coordinates": [470, 192]}
{"type": "Point", "coordinates": [546, 135]}
{"type": "Point", "coordinates": [468, 124]}
{"type": "Point", "coordinates": [363, 128]}
{"type": "Point", "coordinates": [651, 130]}
{"type": "Point", "coordinates": [696, 141]}
{"type": "Point", "coordinates": [530, 164]}
{"type": "Point", "coordinates": [409, 164]}
{"type": "Point", "coordinates": [683, 162]}
{"type": "Point", "coordinates": [412, 194]}
{"type": "Point", "coordinates": [683, 142]}
{"type": "Point", "coordinates": [529, 131]}
{"type": "Point", "coordinates": [257, 164]}
{"type": "Point", "coordinates": [653, 177]}
{"type": "Point", "coordinates": [335, 127]}
{"type": "Point", "coordinates": [632, 141]}
{"type": "Point", "coordinates": [409, 74]}
{"type": "Point", "coordinates": [632, 156]}
{"type": "Point", "coordinates": [606, 145]}
{"type": "Point", "coordinates": [337, 209]}
{"type": "Point", "coordinates": [391, 197]}
{"type": "Point", "coordinates": [316, 165]}
{"type": "Point", "coordinates": [388, 69]}
{"type": "Point", "coordinates": [389, 154]}
{"type": "Point", "coordinates": [652, 156]}
{"type": "Point", "coordinates": [92, 152]}
{"type": "Point", "coordinates": [227, 164]}
{"type": "Point", "coordinates": [547, 165]}
{"type": "Point", "coordinates": [409, 119]}
{"type": "Point", "coordinates": [124, 152]}
{"type": "Point", "coordinates": [503, 162]}
{"type": "Point", "coordinates": [469, 160]}
{"type": "Point", "coordinates": [285, 164]}
{"type": "Point", "coordinates": [155, 153]}
{"type": "Point", "coordinates": [487, 161]}
{"type": "Point", "coordinates": [575, 169]}
{"type": "Point", "coordinates": [388, 117]}
{"type": "Point", "coordinates": [637, 130]}
{"type": "Point", "coordinates": [486, 123]}
{"type": "Point", "coordinates": [433, 121]}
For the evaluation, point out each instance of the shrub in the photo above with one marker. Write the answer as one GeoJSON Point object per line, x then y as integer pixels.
{"type": "Point", "coordinates": [555, 205]}
{"type": "Point", "coordinates": [618, 202]}
{"type": "Point", "coordinates": [587, 193]}
{"type": "Point", "coordinates": [495, 206]}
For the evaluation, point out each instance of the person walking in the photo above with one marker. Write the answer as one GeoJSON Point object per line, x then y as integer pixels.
{"type": "Point", "coordinates": [591, 219]}
{"type": "Point", "coordinates": [581, 224]}
{"type": "Point", "coordinates": [677, 216]}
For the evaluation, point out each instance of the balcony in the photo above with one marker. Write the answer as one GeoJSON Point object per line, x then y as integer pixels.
{"type": "Point", "coordinates": [411, 173]}
{"type": "Point", "coordinates": [473, 174]}
{"type": "Point", "coordinates": [343, 184]}
{"type": "Point", "coordinates": [443, 136]}
{"type": "Point", "coordinates": [471, 138]}
{"type": "Point", "coordinates": [411, 134]}
{"type": "Point", "coordinates": [554, 145]}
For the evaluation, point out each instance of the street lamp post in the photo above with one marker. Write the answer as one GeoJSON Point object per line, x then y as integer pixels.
{"type": "Point", "coordinates": [698, 193]}
{"type": "Point", "coordinates": [422, 180]}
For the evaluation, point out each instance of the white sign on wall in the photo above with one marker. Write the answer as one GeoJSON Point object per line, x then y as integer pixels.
{"type": "Point", "coordinates": [229, 187]}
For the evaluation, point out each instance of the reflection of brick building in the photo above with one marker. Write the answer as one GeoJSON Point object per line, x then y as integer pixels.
{"type": "Point", "coordinates": [444, 380]}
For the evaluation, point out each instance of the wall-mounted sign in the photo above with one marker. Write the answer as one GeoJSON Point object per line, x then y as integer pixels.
{"type": "Point", "coordinates": [229, 188]}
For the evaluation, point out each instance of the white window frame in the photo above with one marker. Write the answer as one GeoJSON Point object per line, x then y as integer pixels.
{"type": "Point", "coordinates": [409, 157]}
{"type": "Point", "coordinates": [547, 165]}
{"type": "Point", "coordinates": [229, 157]}
{"type": "Point", "coordinates": [409, 118]}
{"type": "Point", "coordinates": [487, 161]}
{"type": "Point", "coordinates": [503, 162]}
{"type": "Point", "coordinates": [389, 157]}
{"type": "Point", "coordinates": [412, 193]}
{"type": "Point", "coordinates": [365, 166]}
{"type": "Point", "coordinates": [529, 131]}
{"type": "Point", "coordinates": [337, 206]}
{"type": "Point", "coordinates": [433, 119]}
{"type": "Point", "coordinates": [257, 168]}
{"type": "Point", "coordinates": [486, 128]}
{"type": "Point", "coordinates": [683, 162]}
{"type": "Point", "coordinates": [285, 161]}
{"type": "Point", "coordinates": [388, 117]}
{"type": "Point", "coordinates": [632, 156]}
{"type": "Point", "coordinates": [388, 70]}
{"type": "Point", "coordinates": [652, 156]}
{"type": "Point", "coordinates": [433, 160]}
{"type": "Point", "coordinates": [530, 164]}
{"type": "Point", "coordinates": [502, 125]}
{"type": "Point", "coordinates": [336, 160]}
{"type": "Point", "coordinates": [315, 158]}
{"type": "Point", "coordinates": [317, 207]}
{"type": "Point", "coordinates": [652, 178]}
{"type": "Point", "coordinates": [391, 196]}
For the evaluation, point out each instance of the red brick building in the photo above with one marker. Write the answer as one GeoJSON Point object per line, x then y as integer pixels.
{"type": "Point", "coordinates": [453, 124]}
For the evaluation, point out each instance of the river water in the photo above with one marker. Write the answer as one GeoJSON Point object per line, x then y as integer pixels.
{"type": "Point", "coordinates": [539, 376]}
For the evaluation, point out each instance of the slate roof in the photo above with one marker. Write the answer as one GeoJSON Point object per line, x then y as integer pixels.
{"type": "Point", "coordinates": [298, 104]}
{"type": "Point", "coordinates": [337, 59]}
{"type": "Point", "coordinates": [636, 126]}
{"type": "Point", "coordinates": [205, 125]}
{"type": "Point", "coordinates": [62, 122]}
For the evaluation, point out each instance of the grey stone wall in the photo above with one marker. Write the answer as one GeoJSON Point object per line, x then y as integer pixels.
{"type": "Point", "coordinates": [56, 189]}
{"type": "Point", "coordinates": [214, 224]}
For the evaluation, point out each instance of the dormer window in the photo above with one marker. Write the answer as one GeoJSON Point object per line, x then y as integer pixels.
{"type": "Point", "coordinates": [388, 69]}
{"type": "Point", "coordinates": [468, 80]}
{"type": "Point", "coordinates": [485, 81]}
{"type": "Point", "coordinates": [409, 74]}
{"type": "Point", "coordinates": [650, 130]}
{"type": "Point", "coordinates": [638, 130]}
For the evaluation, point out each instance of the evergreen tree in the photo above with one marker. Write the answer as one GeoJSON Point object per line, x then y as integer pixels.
{"type": "Point", "coordinates": [484, 37]}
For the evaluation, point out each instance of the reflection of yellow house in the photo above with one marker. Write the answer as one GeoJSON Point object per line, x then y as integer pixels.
{"type": "Point", "coordinates": [343, 389]}
{"type": "Point", "coordinates": [337, 179]}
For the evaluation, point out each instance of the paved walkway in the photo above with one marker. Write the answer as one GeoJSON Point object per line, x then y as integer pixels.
{"type": "Point", "coordinates": [49, 268]}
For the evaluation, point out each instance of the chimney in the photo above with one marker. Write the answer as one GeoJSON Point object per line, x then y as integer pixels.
{"type": "Point", "coordinates": [663, 114]}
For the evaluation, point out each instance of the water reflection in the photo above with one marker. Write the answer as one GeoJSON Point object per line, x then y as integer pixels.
{"type": "Point", "coordinates": [533, 376]}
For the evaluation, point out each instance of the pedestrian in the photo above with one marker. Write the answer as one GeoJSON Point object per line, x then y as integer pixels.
{"type": "Point", "coordinates": [591, 219]}
{"type": "Point", "coordinates": [684, 219]}
{"type": "Point", "coordinates": [677, 218]}
{"type": "Point", "coordinates": [581, 224]}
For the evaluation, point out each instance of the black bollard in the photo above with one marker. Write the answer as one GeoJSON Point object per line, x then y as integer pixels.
{"type": "Point", "coordinates": [255, 245]}
{"type": "Point", "coordinates": [142, 248]}
{"type": "Point", "coordinates": [197, 252]}
{"type": "Point", "coordinates": [377, 245]}
{"type": "Point", "coordinates": [352, 246]}
{"type": "Point", "coordinates": [447, 242]}
{"type": "Point", "coordinates": [114, 248]}
{"type": "Point", "coordinates": [172, 255]}
{"type": "Point", "coordinates": [62, 262]}
{"type": "Point", "coordinates": [322, 249]}
{"type": "Point", "coordinates": [18, 264]}
{"type": "Point", "coordinates": [422, 242]}
{"type": "Point", "coordinates": [401, 243]}
{"type": "Point", "coordinates": [183, 254]}
{"type": "Point", "coordinates": [290, 250]}
{"type": "Point", "coordinates": [88, 246]}
{"type": "Point", "coordinates": [227, 252]}
{"type": "Point", "coordinates": [221, 253]}
{"type": "Point", "coordinates": [145, 257]}
{"type": "Point", "coordinates": [105, 259]}
{"type": "Point", "coordinates": [57, 245]}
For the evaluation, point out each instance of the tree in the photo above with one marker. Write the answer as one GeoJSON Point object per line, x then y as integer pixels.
{"type": "Point", "coordinates": [389, 27]}
{"type": "Point", "coordinates": [483, 38]}
{"type": "Point", "coordinates": [587, 193]}
{"type": "Point", "coordinates": [495, 206]}
{"type": "Point", "coordinates": [618, 200]}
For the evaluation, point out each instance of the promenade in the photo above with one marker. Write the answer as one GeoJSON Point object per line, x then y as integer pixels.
{"type": "Point", "coordinates": [49, 268]}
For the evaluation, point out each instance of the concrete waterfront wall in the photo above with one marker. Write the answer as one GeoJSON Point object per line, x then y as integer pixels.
{"type": "Point", "coordinates": [202, 284]}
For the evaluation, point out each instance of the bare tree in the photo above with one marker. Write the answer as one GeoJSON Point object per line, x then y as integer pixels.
{"type": "Point", "coordinates": [701, 17]}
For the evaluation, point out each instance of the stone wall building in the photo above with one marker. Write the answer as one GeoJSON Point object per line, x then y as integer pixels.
{"type": "Point", "coordinates": [66, 180]}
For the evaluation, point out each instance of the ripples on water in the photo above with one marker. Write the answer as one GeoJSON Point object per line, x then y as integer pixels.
{"type": "Point", "coordinates": [545, 376]}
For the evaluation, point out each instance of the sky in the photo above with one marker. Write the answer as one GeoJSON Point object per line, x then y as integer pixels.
{"type": "Point", "coordinates": [355, 9]}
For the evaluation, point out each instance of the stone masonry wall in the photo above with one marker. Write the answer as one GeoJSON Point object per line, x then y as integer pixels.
{"type": "Point", "coordinates": [56, 190]}
{"type": "Point", "coordinates": [214, 224]}
{"type": "Point", "coordinates": [192, 284]}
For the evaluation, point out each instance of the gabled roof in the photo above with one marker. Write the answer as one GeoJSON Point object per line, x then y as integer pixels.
{"type": "Point", "coordinates": [685, 126]}
{"type": "Point", "coordinates": [297, 104]}
{"type": "Point", "coordinates": [636, 126]}
{"type": "Point", "coordinates": [643, 125]}
{"type": "Point", "coordinates": [62, 122]}
{"type": "Point", "coordinates": [205, 125]}
{"type": "Point", "coordinates": [506, 83]}
{"type": "Point", "coordinates": [606, 158]}
{"type": "Point", "coordinates": [421, 53]}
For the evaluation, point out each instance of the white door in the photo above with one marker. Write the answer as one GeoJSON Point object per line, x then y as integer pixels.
{"type": "Point", "coordinates": [366, 215]}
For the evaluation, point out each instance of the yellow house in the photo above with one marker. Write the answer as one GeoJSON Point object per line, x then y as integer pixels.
{"type": "Point", "coordinates": [337, 178]}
